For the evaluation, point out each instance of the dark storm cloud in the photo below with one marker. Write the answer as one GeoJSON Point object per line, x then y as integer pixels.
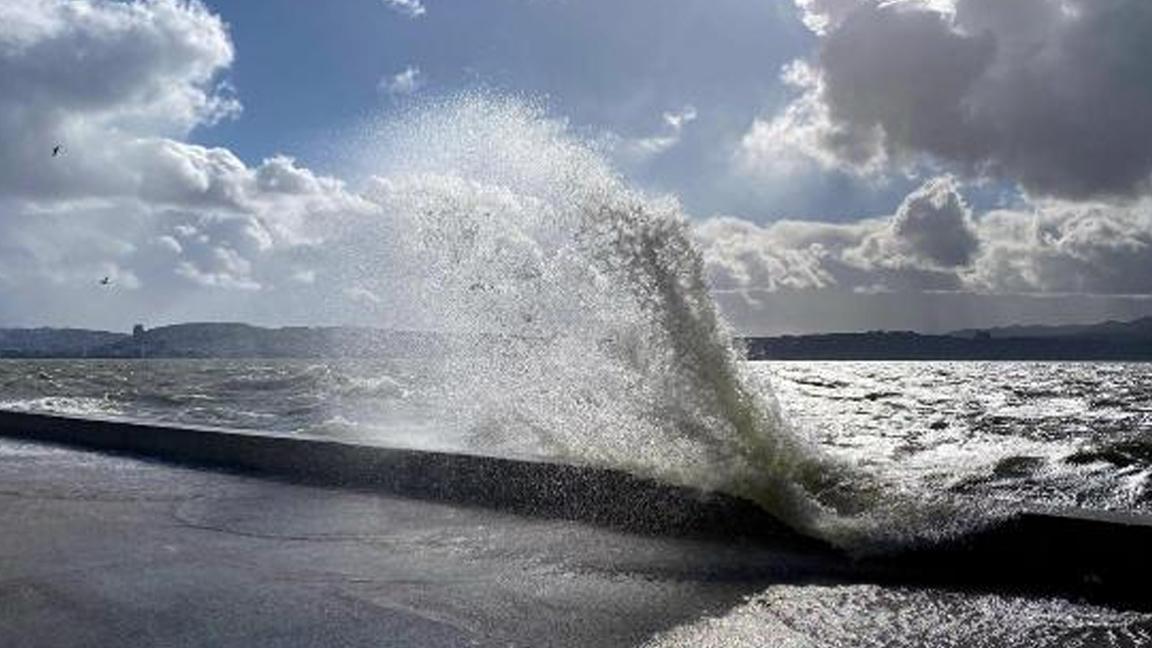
{"type": "Point", "coordinates": [1052, 94]}
{"type": "Point", "coordinates": [934, 225]}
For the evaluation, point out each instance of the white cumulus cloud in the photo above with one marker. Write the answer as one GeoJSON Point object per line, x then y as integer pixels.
{"type": "Point", "coordinates": [118, 87]}
{"type": "Point", "coordinates": [403, 83]}
{"type": "Point", "coordinates": [934, 243]}
{"type": "Point", "coordinates": [410, 8]}
{"type": "Point", "coordinates": [632, 150]}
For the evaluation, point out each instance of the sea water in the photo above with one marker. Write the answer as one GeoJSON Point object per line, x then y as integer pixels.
{"type": "Point", "coordinates": [1042, 434]}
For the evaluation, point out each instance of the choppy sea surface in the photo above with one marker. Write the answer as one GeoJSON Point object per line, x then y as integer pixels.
{"type": "Point", "coordinates": [1050, 434]}
{"type": "Point", "coordinates": [1044, 433]}
{"type": "Point", "coordinates": [382, 402]}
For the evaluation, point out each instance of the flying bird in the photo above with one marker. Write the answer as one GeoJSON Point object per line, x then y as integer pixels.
{"type": "Point", "coordinates": [56, 150]}
{"type": "Point", "coordinates": [106, 281]}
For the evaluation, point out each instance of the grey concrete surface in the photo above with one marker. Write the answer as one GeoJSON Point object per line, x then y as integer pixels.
{"type": "Point", "coordinates": [523, 485]}
{"type": "Point", "coordinates": [101, 550]}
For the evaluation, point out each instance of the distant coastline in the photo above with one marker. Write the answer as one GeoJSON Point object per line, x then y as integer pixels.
{"type": "Point", "coordinates": [1116, 341]}
{"type": "Point", "coordinates": [885, 345]}
{"type": "Point", "coordinates": [214, 340]}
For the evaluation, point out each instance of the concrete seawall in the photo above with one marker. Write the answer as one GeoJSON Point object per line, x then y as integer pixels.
{"type": "Point", "coordinates": [538, 488]}
{"type": "Point", "coordinates": [1098, 556]}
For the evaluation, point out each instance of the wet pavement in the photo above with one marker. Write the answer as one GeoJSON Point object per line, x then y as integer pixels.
{"type": "Point", "coordinates": [105, 550]}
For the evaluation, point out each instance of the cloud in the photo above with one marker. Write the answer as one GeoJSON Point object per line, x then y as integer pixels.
{"type": "Point", "coordinates": [928, 244]}
{"type": "Point", "coordinates": [822, 16]}
{"type": "Point", "coordinates": [934, 243]}
{"type": "Point", "coordinates": [403, 83]}
{"type": "Point", "coordinates": [410, 8]}
{"type": "Point", "coordinates": [639, 149]}
{"type": "Point", "coordinates": [742, 256]}
{"type": "Point", "coordinates": [120, 86]}
{"type": "Point", "coordinates": [192, 231]}
{"type": "Point", "coordinates": [1050, 94]}
{"type": "Point", "coordinates": [1062, 247]}
{"type": "Point", "coordinates": [79, 74]}
{"type": "Point", "coordinates": [804, 137]}
{"type": "Point", "coordinates": [1047, 95]}
{"type": "Point", "coordinates": [678, 120]}
{"type": "Point", "coordinates": [934, 225]}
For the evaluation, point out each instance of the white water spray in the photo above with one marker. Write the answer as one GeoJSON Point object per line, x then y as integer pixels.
{"type": "Point", "coordinates": [581, 326]}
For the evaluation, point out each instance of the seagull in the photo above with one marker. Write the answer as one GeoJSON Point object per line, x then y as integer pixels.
{"type": "Point", "coordinates": [106, 281]}
{"type": "Point", "coordinates": [56, 150]}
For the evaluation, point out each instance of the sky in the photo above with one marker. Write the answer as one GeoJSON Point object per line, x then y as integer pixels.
{"type": "Point", "coordinates": [844, 164]}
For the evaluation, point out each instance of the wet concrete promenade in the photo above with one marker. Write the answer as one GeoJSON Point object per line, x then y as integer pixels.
{"type": "Point", "coordinates": [104, 550]}
{"type": "Point", "coordinates": [152, 536]}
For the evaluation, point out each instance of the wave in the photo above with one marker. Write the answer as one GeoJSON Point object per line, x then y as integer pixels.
{"type": "Point", "coordinates": [67, 405]}
{"type": "Point", "coordinates": [580, 321]}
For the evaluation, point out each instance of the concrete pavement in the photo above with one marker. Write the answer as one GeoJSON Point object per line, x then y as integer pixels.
{"type": "Point", "coordinates": [313, 542]}
{"type": "Point", "coordinates": [102, 550]}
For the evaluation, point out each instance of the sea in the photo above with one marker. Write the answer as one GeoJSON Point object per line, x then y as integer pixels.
{"type": "Point", "coordinates": [579, 326]}
{"type": "Point", "coordinates": [1047, 434]}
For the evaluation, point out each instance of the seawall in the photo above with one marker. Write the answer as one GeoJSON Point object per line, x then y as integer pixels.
{"type": "Point", "coordinates": [531, 487]}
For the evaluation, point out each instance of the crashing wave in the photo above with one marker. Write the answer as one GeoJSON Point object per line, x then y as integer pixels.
{"type": "Point", "coordinates": [579, 318]}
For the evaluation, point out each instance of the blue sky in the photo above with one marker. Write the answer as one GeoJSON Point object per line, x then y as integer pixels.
{"type": "Point", "coordinates": [842, 164]}
{"type": "Point", "coordinates": [309, 73]}
{"type": "Point", "coordinates": [309, 67]}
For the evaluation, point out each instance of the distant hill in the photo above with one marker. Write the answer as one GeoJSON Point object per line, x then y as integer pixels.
{"type": "Point", "coordinates": [1104, 341]}
{"type": "Point", "coordinates": [233, 340]}
{"type": "Point", "coordinates": [50, 342]}
{"type": "Point", "coordinates": [214, 340]}
{"type": "Point", "coordinates": [1136, 328]}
